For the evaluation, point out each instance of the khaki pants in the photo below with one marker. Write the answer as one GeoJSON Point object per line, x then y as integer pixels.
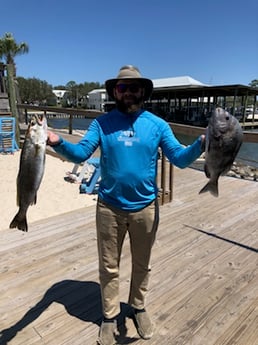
{"type": "Point", "coordinates": [112, 225]}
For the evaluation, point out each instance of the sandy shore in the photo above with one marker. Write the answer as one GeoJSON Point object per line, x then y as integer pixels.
{"type": "Point", "coordinates": [55, 195]}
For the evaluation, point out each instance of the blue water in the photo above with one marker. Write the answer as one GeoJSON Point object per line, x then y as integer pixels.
{"type": "Point", "coordinates": [78, 124]}
{"type": "Point", "coordinates": [248, 153]}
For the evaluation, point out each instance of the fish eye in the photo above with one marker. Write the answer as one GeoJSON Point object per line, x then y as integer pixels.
{"type": "Point", "coordinates": [227, 117]}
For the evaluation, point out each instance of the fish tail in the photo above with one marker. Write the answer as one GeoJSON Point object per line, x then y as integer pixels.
{"type": "Point", "coordinates": [212, 187]}
{"type": "Point", "coordinates": [19, 221]}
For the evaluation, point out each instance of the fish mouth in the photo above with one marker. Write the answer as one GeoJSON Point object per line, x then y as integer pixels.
{"type": "Point", "coordinates": [39, 119]}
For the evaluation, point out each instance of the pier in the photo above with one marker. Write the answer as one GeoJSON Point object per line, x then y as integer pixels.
{"type": "Point", "coordinates": [181, 128]}
{"type": "Point", "coordinates": [204, 283]}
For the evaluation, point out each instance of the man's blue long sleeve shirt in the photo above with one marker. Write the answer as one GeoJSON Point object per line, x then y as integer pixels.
{"type": "Point", "coordinates": [129, 153]}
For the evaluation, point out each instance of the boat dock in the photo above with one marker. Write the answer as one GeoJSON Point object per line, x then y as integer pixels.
{"type": "Point", "coordinates": [204, 284]}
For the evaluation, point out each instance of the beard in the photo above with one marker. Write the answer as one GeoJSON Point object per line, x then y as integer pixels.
{"type": "Point", "coordinates": [129, 104]}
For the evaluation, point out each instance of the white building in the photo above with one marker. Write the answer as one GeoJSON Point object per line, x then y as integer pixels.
{"type": "Point", "coordinates": [59, 95]}
{"type": "Point", "coordinates": [96, 99]}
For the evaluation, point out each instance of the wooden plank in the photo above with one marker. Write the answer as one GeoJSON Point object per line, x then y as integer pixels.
{"type": "Point", "coordinates": [204, 283]}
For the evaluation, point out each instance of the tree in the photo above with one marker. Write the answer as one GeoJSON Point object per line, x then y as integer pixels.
{"type": "Point", "coordinates": [9, 48]}
{"type": "Point", "coordinates": [77, 93]}
{"type": "Point", "coordinates": [254, 83]}
{"type": "Point", "coordinates": [33, 90]}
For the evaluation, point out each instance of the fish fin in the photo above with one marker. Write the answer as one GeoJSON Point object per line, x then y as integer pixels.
{"type": "Point", "coordinates": [206, 170]}
{"type": "Point", "coordinates": [19, 221]}
{"type": "Point", "coordinates": [212, 187]}
{"type": "Point", "coordinates": [17, 194]}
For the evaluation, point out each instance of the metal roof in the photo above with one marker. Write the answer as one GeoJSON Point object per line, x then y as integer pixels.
{"type": "Point", "coordinates": [202, 91]}
{"type": "Point", "coordinates": [186, 86]}
{"type": "Point", "coordinates": [96, 91]}
{"type": "Point", "coordinates": [183, 81]}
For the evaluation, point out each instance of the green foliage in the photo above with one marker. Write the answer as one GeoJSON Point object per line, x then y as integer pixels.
{"type": "Point", "coordinates": [9, 48]}
{"type": "Point", "coordinates": [60, 87]}
{"type": "Point", "coordinates": [51, 101]}
{"type": "Point", "coordinates": [34, 90]}
{"type": "Point", "coordinates": [254, 83]}
{"type": "Point", "coordinates": [77, 93]}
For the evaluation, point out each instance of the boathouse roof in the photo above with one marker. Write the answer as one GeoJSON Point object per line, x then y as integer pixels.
{"type": "Point", "coordinates": [205, 90]}
{"type": "Point", "coordinates": [182, 81]}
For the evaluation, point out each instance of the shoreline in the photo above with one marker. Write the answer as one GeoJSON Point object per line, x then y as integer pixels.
{"type": "Point", "coordinates": [238, 170]}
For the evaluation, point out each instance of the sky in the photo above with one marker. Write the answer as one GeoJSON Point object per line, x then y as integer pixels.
{"type": "Point", "coordinates": [212, 41]}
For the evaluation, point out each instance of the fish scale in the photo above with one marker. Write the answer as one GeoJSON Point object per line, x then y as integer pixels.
{"type": "Point", "coordinates": [31, 169]}
{"type": "Point", "coordinates": [224, 137]}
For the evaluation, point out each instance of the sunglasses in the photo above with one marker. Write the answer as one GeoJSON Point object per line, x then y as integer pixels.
{"type": "Point", "coordinates": [122, 88]}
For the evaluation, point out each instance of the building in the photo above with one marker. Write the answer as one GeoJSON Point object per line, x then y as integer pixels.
{"type": "Point", "coordinates": [193, 103]}
{"type": "Point", "coordinates": [59, 94]}
{"type": "Point", "coordinates": [186, 100]}
{"type": "Point", "coordinates": [97, 99]}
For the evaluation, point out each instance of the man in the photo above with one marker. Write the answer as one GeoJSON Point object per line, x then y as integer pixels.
{"type": "Point", "coordinates": [129, 138]}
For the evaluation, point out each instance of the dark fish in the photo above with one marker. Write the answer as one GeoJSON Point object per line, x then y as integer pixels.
{"type": "Point", "coordinates": [224, 137]}
{"type": "Point", "coordinates": [31, 170]}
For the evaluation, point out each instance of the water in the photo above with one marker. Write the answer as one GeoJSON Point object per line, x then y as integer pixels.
{"type": "Point", "coordinates": [78, 124]}
{"type": "Point", "coordinates": [248, 153]}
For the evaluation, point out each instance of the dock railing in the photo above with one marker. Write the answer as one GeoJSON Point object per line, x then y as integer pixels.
{"type": "Point", "coordinates": [58, 112]}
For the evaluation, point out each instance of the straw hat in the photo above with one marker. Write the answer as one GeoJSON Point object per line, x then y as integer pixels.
{"type": "Point", "coordinates": [129, 72]}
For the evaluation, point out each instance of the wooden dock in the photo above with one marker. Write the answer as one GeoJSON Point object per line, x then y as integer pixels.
{"type": "Point", "coordinates": [204, 284]}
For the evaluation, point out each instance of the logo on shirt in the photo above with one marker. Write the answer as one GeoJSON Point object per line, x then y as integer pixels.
{"type": "Point", "coordinates": [128, 137]}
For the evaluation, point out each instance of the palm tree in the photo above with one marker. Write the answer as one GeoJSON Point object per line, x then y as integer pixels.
{"type": "Point", "coordinates": [9, 49]}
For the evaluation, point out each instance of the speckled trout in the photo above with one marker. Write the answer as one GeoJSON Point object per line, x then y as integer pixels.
{"type": "Point", "coordinates": [31, 170]}
{"type": "Point", "coordinates": [223, 140]}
